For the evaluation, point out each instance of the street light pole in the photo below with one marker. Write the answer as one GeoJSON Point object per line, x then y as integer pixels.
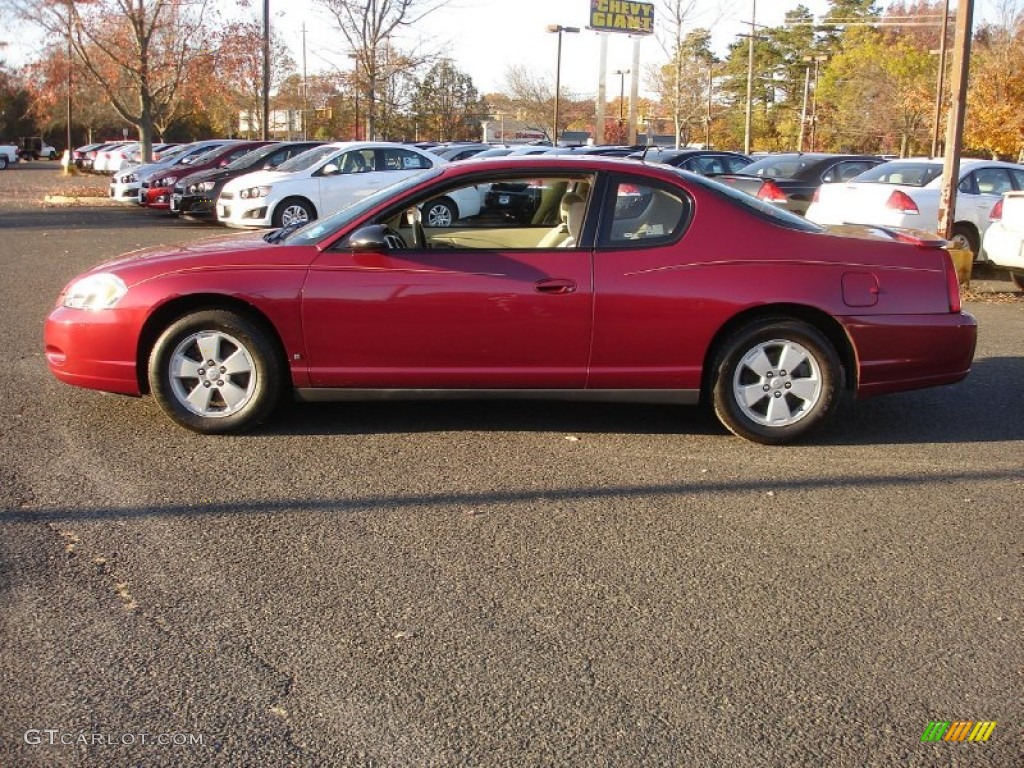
{"type": "Point", "coordinates": [622, 94]}
{"type": "Point", "coordinates": [266, 69]}
{"type": "Point", "coordinates": [558, 29]}
{"type": "Point", "coordinates": [71, 9]}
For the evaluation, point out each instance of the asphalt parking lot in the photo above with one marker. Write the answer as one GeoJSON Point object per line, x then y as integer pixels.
{"type": "Point", "coordinates": [495, 584]}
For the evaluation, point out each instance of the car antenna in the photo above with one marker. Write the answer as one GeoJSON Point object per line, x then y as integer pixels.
{"type": "Point", "coordinates": [648, 148]}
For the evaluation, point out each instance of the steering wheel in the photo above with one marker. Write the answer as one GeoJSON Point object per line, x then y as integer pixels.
{"type": "Point", "coordinates": [393, 239]}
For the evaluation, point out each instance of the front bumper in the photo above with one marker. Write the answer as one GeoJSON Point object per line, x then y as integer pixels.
{"type": "Point", "coordinates": [156, 197]}
{"type": "Point", "coordinates": [244, 214]}
{"type": "Point", "coordinates": [95, 350]}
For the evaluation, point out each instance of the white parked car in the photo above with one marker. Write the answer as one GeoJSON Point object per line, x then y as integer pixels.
{"type": "Point", "coordinates": [125, 184]}
{"type": "Point", "coordinates": [905, 193]}
{"type": "Point", "coordinates": [326, 179]}
{"type": "Point", "coordinates": [1004, 239]}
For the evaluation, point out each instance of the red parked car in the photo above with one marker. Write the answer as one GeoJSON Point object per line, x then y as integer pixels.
{"type": "Point", "coordinates": [155, 190]}
{"type": "Point", "coordinates": [629, 281]}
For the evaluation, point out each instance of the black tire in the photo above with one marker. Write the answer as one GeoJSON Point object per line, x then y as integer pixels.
{"type": "Point", "coordinates": [439, 213]}
{"type": "Point", "coordinates": [293, 209]}
{"type": "Point", "coordinates": [3, 162]}
{"type": "Point", "coordinates": [965, 237]}
{"type": "Point", "coordinates": [794, 401]}
{"type": "Point", "coordinates": [211, 399]}
{"type": "Point", "coordinates": [1017, 278]}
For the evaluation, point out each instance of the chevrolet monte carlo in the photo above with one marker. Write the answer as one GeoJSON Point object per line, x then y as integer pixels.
{"type": "Point", "coordinates": [628, 281]}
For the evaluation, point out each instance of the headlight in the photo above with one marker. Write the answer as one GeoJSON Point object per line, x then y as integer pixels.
{"type": "Point", "coordinates": [199, 188]}
{"type": "Point", "coordinates": [251, 192]}
{"type": "Point", "coordinates": [100, 291]}
{"type": "Point", "coordinates": [166, 181]}
{"type": "Point", "coordinates": [131, 178]}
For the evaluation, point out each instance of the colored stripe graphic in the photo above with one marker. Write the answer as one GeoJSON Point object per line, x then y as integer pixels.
{"type": "Point", "coordinates": [935, 731]}
{"type": "Point", "coordinates": [982, 731]}
{"type": "Point", "coordinates": [959, 730]}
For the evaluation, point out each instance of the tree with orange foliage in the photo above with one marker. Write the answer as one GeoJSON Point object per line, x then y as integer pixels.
{"type": "Point", "coordinates": [140, 52]}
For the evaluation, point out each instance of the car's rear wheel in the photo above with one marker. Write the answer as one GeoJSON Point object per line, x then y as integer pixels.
{"type": "Point", "coordinates": [294, 210]}
{"type": "Point", "coordinates": [965, 239]}
{"type": "Point", "coordinates": [3, 162]}
{"type": "Point", "coordinates": [775, 380]}
{"type": "Point", "coordinates": [439, 213]}
{"type": "Point", "coordinates": [216, 371]}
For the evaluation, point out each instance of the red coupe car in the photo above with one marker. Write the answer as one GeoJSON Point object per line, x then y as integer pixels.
{"type": "Point", "coordinates": [627, 281]}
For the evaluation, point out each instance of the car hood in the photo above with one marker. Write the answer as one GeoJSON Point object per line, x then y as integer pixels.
{"type": "Point", "coordinates": [231, 251]}
{"type": "Point", "coordinates": [259, 178]}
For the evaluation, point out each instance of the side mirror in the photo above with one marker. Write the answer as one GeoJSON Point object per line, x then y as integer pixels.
{"type": "Point", "coordinates": [374, 237]}
{"type": "Point", "coordinates": [330, 169]}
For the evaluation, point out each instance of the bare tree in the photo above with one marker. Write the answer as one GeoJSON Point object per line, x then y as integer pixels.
{"type": "Point", "coordinates": [674, 80]}
{"type": "Point", "coordinates": [368, 26]}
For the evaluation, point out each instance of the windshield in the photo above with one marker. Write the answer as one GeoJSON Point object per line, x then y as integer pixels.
{"type": "Point", "coordinates": [755, 205]}
{"type": "Point", "coordinates": [315, 231]}
{"type": "Point", "coordinates": [307, 159]}
{"type": "Point", "coordinates": [907, 174]}
{"type": "Point", "coordinates": [203, 155]}
{"type": "Point", "coordinates": [243, 162]}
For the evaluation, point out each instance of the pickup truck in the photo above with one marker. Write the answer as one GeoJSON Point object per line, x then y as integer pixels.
{"type": "Point", "coordinates": [8, 155]}
{"type": "Point", "coordinates": [35, 147]}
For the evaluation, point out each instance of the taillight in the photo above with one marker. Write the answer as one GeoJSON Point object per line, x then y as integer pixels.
{"type": "Point", "coordinates": [952, 283]}
{"type": "Point", "coordinates": [771, 193]}
{"type": "Point", "coordinates": [997, 211]}
{"type": "Point", "coordinates": [900, 201]}
{"type": "Point", "coordinates": [816, 196]}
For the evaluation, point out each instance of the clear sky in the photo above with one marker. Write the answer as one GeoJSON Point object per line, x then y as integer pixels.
{"type": "Point", "coordinates": [486, 37]}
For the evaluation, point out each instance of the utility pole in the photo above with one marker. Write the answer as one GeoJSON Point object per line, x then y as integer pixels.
{"type": "Point", "coordinates": [955, 126]}
{"type": "Point", "coordinates": [750, 78]}
{"type": "Point", "coordinates": [940, 87]}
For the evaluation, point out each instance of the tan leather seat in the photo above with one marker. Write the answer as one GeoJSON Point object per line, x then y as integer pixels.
{"type": "Point", "coordinates": [556, 236]}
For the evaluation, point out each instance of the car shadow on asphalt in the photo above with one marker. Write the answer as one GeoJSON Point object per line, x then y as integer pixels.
{"type": "Point", "coordinates": [986, 407]}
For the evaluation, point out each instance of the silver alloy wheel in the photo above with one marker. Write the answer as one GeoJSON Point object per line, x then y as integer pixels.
{"type": "Point", "coordinates": [294, 213]}
{"type": "Point", "coordinates": [777, 383]}
{"type": "Point", "coordinates": [212, 374]}
{"type": "Point", "coordinates": [439, 214]}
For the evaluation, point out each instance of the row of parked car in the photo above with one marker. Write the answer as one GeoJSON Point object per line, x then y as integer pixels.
{"type": "Point", "coordinates": [278, 184]}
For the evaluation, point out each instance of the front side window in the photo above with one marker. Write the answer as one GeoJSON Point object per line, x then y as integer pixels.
{"type": "Point", "coordinates": [499, 212]}
{"type": "Point", "coordinates": [846, 170]}
{"type": "Point", "coordinates": [993, 181]}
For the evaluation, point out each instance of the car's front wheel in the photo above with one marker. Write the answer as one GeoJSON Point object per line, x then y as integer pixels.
{"type": "Point", "coordinates": [294, 210]}
{"type": "Point", "coordinates": [3, 162]}
{"type": "Point", "coordinates": [775, 380]}
{"type": "Point", "coordinates": [216, 371]}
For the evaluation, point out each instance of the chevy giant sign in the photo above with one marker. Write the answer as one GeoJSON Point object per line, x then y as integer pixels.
{"type": "Point", "coordinates": [622, 16]}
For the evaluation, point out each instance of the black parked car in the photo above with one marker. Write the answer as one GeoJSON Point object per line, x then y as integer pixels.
{"type": "Point", "coordinates": [790, 180]}
{"type": "Point", "coordinates": [706, 162]}
{"type": "Point", "coordinates": [196, 195]}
